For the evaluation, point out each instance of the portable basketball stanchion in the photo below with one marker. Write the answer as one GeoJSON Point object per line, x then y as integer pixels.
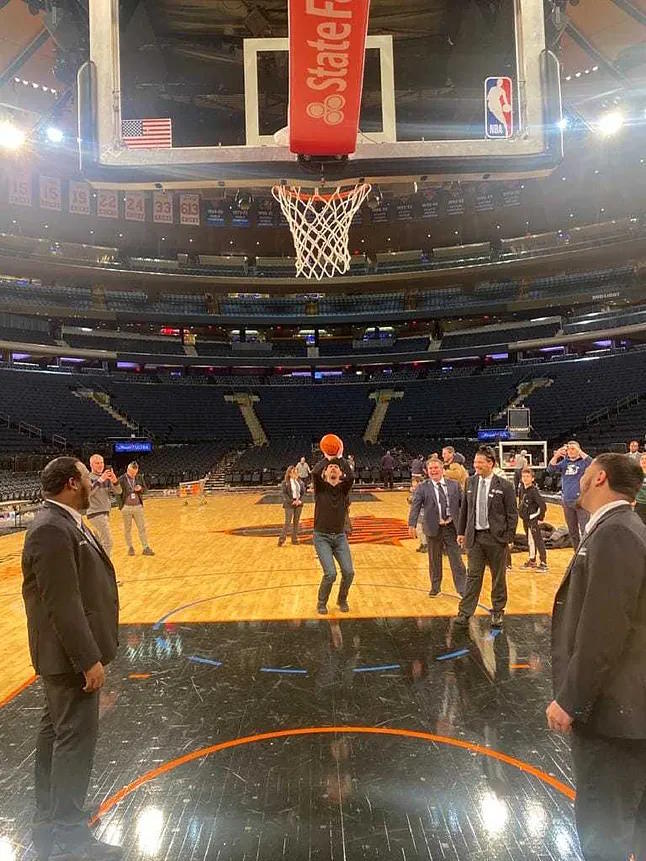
{"type": "Point", "coordinates": [192, 490]}
{"type": "Point", "coordinates": [320, 226]}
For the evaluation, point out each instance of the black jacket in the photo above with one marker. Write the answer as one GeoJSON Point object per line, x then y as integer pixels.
{"type": "Point", "coordinates": [532, 506]}
{"type": "Point", "coordinates": [286, 493]}
{"type": "Point", "coordinates": [124, 481]}
{"type": "Point", "coordinates": [331, 503]}
{"type": "Point", "coordinates": [503, 510]}
{"type": "Point", "coordinates": [70, 594]}
{"type": "Point", "coordinates": [599, 629]}
{"type": "Point", "coordinates": [425, 497]}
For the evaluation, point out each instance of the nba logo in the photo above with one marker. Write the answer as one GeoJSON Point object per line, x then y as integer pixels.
{"type": "Point", "coordinates": [499, 107]}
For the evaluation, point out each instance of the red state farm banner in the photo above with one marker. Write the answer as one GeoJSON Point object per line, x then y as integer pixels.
{"type": "Point", "coordinates": [162, 207]}
{"type": "Point", "coordinates": [189, 209]}
{"type": "Point", "coordinates": [20, 188]}
{"type": "Point", "coordinates": [135, 205]}
{"type": "Point", "coordinates": [107, 203]}
{"type": "Point", "coordinates": [327, 49]}
{"type": "Point", "coordinates": [50, 193]}
{"type": "Point", "coordinates": [79, 198]}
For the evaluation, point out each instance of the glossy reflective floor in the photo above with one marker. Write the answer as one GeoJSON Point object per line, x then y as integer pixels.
{"type": "Point", "coordinates": [344, 738]}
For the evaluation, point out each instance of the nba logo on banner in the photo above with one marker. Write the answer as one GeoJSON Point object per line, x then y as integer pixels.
{"type": "Point", "coordinates": [499, 107]}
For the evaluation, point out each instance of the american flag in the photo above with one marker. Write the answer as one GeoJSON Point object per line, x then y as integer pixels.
{"type": "Point", "coordinates": [146, 134]}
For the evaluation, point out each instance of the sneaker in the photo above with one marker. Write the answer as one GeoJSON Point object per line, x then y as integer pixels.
{"type": "Point", "coordinates": [543, 567]}
{"type": "Point", "coordinates": [131, 551]}
{"type": "Point", "coordinates": [461, 621]}
{"type": "Point", "coordinates": [343, 605]}
{"type": "Point", "coordinates": [496, 620]}
{"type": "Point", "coordinates": [322, 609]}
{"type": "Point", "coordinates": [531, 563]}
{"type": "Point", "coordinates": [148, 551]}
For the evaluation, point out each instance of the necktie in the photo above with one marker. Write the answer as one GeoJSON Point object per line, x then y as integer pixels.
{"type": "Point", "coordinates": [482, 505]}
{"type": "Point", "coordinates": [444, 503]}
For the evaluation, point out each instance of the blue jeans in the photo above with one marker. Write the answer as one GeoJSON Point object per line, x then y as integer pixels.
{"type": "Point", "coordinates": [328, 548]}
{"type": "Point", "coordinates": [576, 520]}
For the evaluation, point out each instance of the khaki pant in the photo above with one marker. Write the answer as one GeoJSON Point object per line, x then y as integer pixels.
{"type": "Point", "coordinates": [100, 523]}
{"type": "Point", "coordinates": [136, 513]}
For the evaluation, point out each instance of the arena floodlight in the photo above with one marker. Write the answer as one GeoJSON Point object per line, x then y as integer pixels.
{"type": "Point", "coordinates": [563, 123]}
{"type": "Point", "coordinates": [610, 123]}
{"type": "Point", "coordinates": [54, 135]}
{"type": "Point", "coordinates": [11, 137]}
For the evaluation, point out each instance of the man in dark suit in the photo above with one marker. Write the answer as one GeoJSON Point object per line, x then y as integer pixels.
{"type": "Point", "coordinates": [72, 605]}
{"type": "Point", "coordinates": [487, 526]}
{"type": "Point", "coordinates": [599, 664]}
{"type": "Point", "coordinates": [441, 499]}
{"type": "Point", "coordinates": [388, 470]}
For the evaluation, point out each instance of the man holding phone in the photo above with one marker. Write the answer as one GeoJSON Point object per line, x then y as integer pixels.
{"type": "Point", "coordinates": [105, 485]}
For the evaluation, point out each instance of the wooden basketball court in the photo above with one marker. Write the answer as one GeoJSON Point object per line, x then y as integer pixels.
{"type": "Point", "coordinates": [220, 563]}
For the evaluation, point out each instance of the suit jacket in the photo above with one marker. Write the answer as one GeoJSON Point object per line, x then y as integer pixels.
{"type": "Point", "coordinates": [286, 492]}
{"type": "Point", "coordinates": [70, 594]}
{"type": "Point", "coordinates": [502, 508]}
{"type": "Point", "coordinates": [124, 482]}
{"type": "Point", "coordinates": [425, 497]}
{"type": "Point", "coordinates": [599, 629]}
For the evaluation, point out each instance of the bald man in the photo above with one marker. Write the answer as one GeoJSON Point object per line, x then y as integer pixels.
{"type": "Point", "coordinates": [105, 484]}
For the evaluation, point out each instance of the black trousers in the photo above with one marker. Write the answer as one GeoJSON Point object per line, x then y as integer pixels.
{"type": "Point", "coordinates": [640, 508]}
{"type": "Point", "coordinates": [610, 806]}
{"type": "Point", "coordinates": [446, 539]}
{"type": "Point", "coordinates": [535, 540]}
{"type": "Point", "coordinates": [292, 518]}
{"type": "Point", "coordinates": [485, 551]}
{"type": "Point", "coordinates": [388, 478]}
{"type": "Point", "coordinates": [65, 748]}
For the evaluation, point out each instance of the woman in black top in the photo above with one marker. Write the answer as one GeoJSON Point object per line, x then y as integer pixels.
{"type": "Point", "coordinates": [292, 490]}
{"type": "Point", "coordinates": [532, 510]}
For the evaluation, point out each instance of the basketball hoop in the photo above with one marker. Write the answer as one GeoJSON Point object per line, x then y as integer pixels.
{"type": "Point", "coordinates": [320, 226]}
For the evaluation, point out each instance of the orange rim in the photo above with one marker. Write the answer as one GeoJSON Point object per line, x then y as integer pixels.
{"type": "Point", "coordinates": [296, 194]}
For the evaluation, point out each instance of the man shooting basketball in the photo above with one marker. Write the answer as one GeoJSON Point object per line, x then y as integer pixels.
{"type": "Point", "coordinates": [333, 479]}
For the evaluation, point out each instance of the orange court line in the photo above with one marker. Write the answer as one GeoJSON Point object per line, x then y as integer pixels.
{"type": "Point", "coordinates": [17, 691]}
{"type": "Point", "coordinates": [521, 666]}
{"type": "Point", "coordinates": [166, 767]}
{"type": "Point", "coordinates": [139, 676]}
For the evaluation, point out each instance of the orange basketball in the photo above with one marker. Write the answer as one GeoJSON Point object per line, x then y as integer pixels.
{"type": "Point", "coordinates": [331, 444]}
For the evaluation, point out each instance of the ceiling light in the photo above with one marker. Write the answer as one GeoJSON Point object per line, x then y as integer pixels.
{"type": "Point", "coordinates": [11, 137]}
{"type": "Point", "coordinates": [54, 135]}
{"type": "Point", "coordinates": [610, 123]}
{"type": "Point", "coordinates": [563, 123]}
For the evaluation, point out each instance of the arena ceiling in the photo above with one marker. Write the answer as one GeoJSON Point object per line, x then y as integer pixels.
{"type": "Point", "coordinates": [601, 43]}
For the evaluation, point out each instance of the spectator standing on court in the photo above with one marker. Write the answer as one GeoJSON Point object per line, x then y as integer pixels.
{"type": "Point", "coordinates": [452, 467]}
{"type": "Point", "coordinates": [303, 471]}
{"type": "Point", "coordinates": [388, 470]}
{"type": "Point", "coordinates": [598, 649]}
{"type": "Point", "coordinates": [292, 491]}
{"type": "Point", "coordinates": [571, 462]}
{"type": "Point", "coordinates": [633, 450]}
{"type": "Point", "coordinates": [640, 501]}
{"type": "Point", "coordinates": [105, 485]}
{"type": "Point", "coordinates": [520, 462]}
{"type": "Point", "coordinates": [417, 468]}
{"type": "Point", "coordinates": [131, 503]}
{"type": "Point", "coordinates": [532, 510]}
{"type": "Point", "coordinates": [419, 526]}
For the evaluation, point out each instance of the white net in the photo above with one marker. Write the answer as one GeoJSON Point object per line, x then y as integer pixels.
{"type": "Point", "coordinates": [320, 225]}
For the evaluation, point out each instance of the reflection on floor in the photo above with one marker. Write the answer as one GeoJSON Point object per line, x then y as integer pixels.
{"type": "Point", "coordinates": [184, 688]}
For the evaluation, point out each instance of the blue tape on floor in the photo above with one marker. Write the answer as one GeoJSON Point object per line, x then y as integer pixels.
{"type": "Point", "coordinates": [377, 669]}
{"type": "Point", "coordinates": [288, 672]}
{"type": "Point", "coordinates": [457, 654]}
{"type": "Point", "coordinates": [196, 659]}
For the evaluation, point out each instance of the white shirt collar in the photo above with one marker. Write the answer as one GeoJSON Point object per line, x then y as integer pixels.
{"type": "Point", "coordinates": [598, 514]}
{"type": "Point", "coordinates": [75, 514]}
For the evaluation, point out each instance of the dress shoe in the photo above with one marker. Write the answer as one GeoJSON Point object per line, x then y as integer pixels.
{"type": "Point", "coordinates": [281, 541]}
{"type": "Point", "coordinates": [433, 593]}
{"type": "Point", "coordinates": [148, 551]}
{"type": "Point", "coordinates": [131, 551]}
{"type": "Point", "coordinates": [295, 541]}
{"type": "Point", "coordinates": [343, 605]}
{"type": "Point", "coordinates": [461, 621]}
{"type": "Point", "coordinates": [321, 609]}
{"type": "Point", "coordinates": [421, 549]}
{"type": "Point", "coordinates": [42, 836]}
{"type": "Point", "coordinates": [496, 620]}
{"type": "Point", "coordinates": [90, 849]}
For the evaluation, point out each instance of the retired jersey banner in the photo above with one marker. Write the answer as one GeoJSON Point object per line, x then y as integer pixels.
{"type": "Point", "coordinates": [20, 188]}
{"type": "Point", "coordinates": [189, 209]}
{"type": "Point", "coordinates": [50, 193]}
{"type": "Point", "coordinates": [79, 198]}
{"type": "Point", "coordinates": [107, 203]}
{"type": "Point", "coordinates": [162, 207]}
{"type": "Point", "coordinates": [135, 205]}
{"type": "Point", "coordinates": [327, 49]}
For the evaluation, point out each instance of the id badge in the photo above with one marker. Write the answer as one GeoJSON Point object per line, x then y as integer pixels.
{"type": "Point", "coordinates": [133, 497]}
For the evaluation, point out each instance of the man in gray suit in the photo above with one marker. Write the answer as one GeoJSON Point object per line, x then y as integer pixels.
{"type": "Point", "coordinates": [441, 499]}
{"type": "Point", "coordinates": [599, 664]}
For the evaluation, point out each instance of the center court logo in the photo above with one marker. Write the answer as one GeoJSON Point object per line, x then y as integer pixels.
{"type": "Point", "coordinates": [330, 110]}
{"type": "Point", "coordinates": [365, 530]}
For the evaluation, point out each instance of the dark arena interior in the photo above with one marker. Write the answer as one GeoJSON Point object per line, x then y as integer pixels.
{"type": "Point", "coordinates": [485, 314]}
